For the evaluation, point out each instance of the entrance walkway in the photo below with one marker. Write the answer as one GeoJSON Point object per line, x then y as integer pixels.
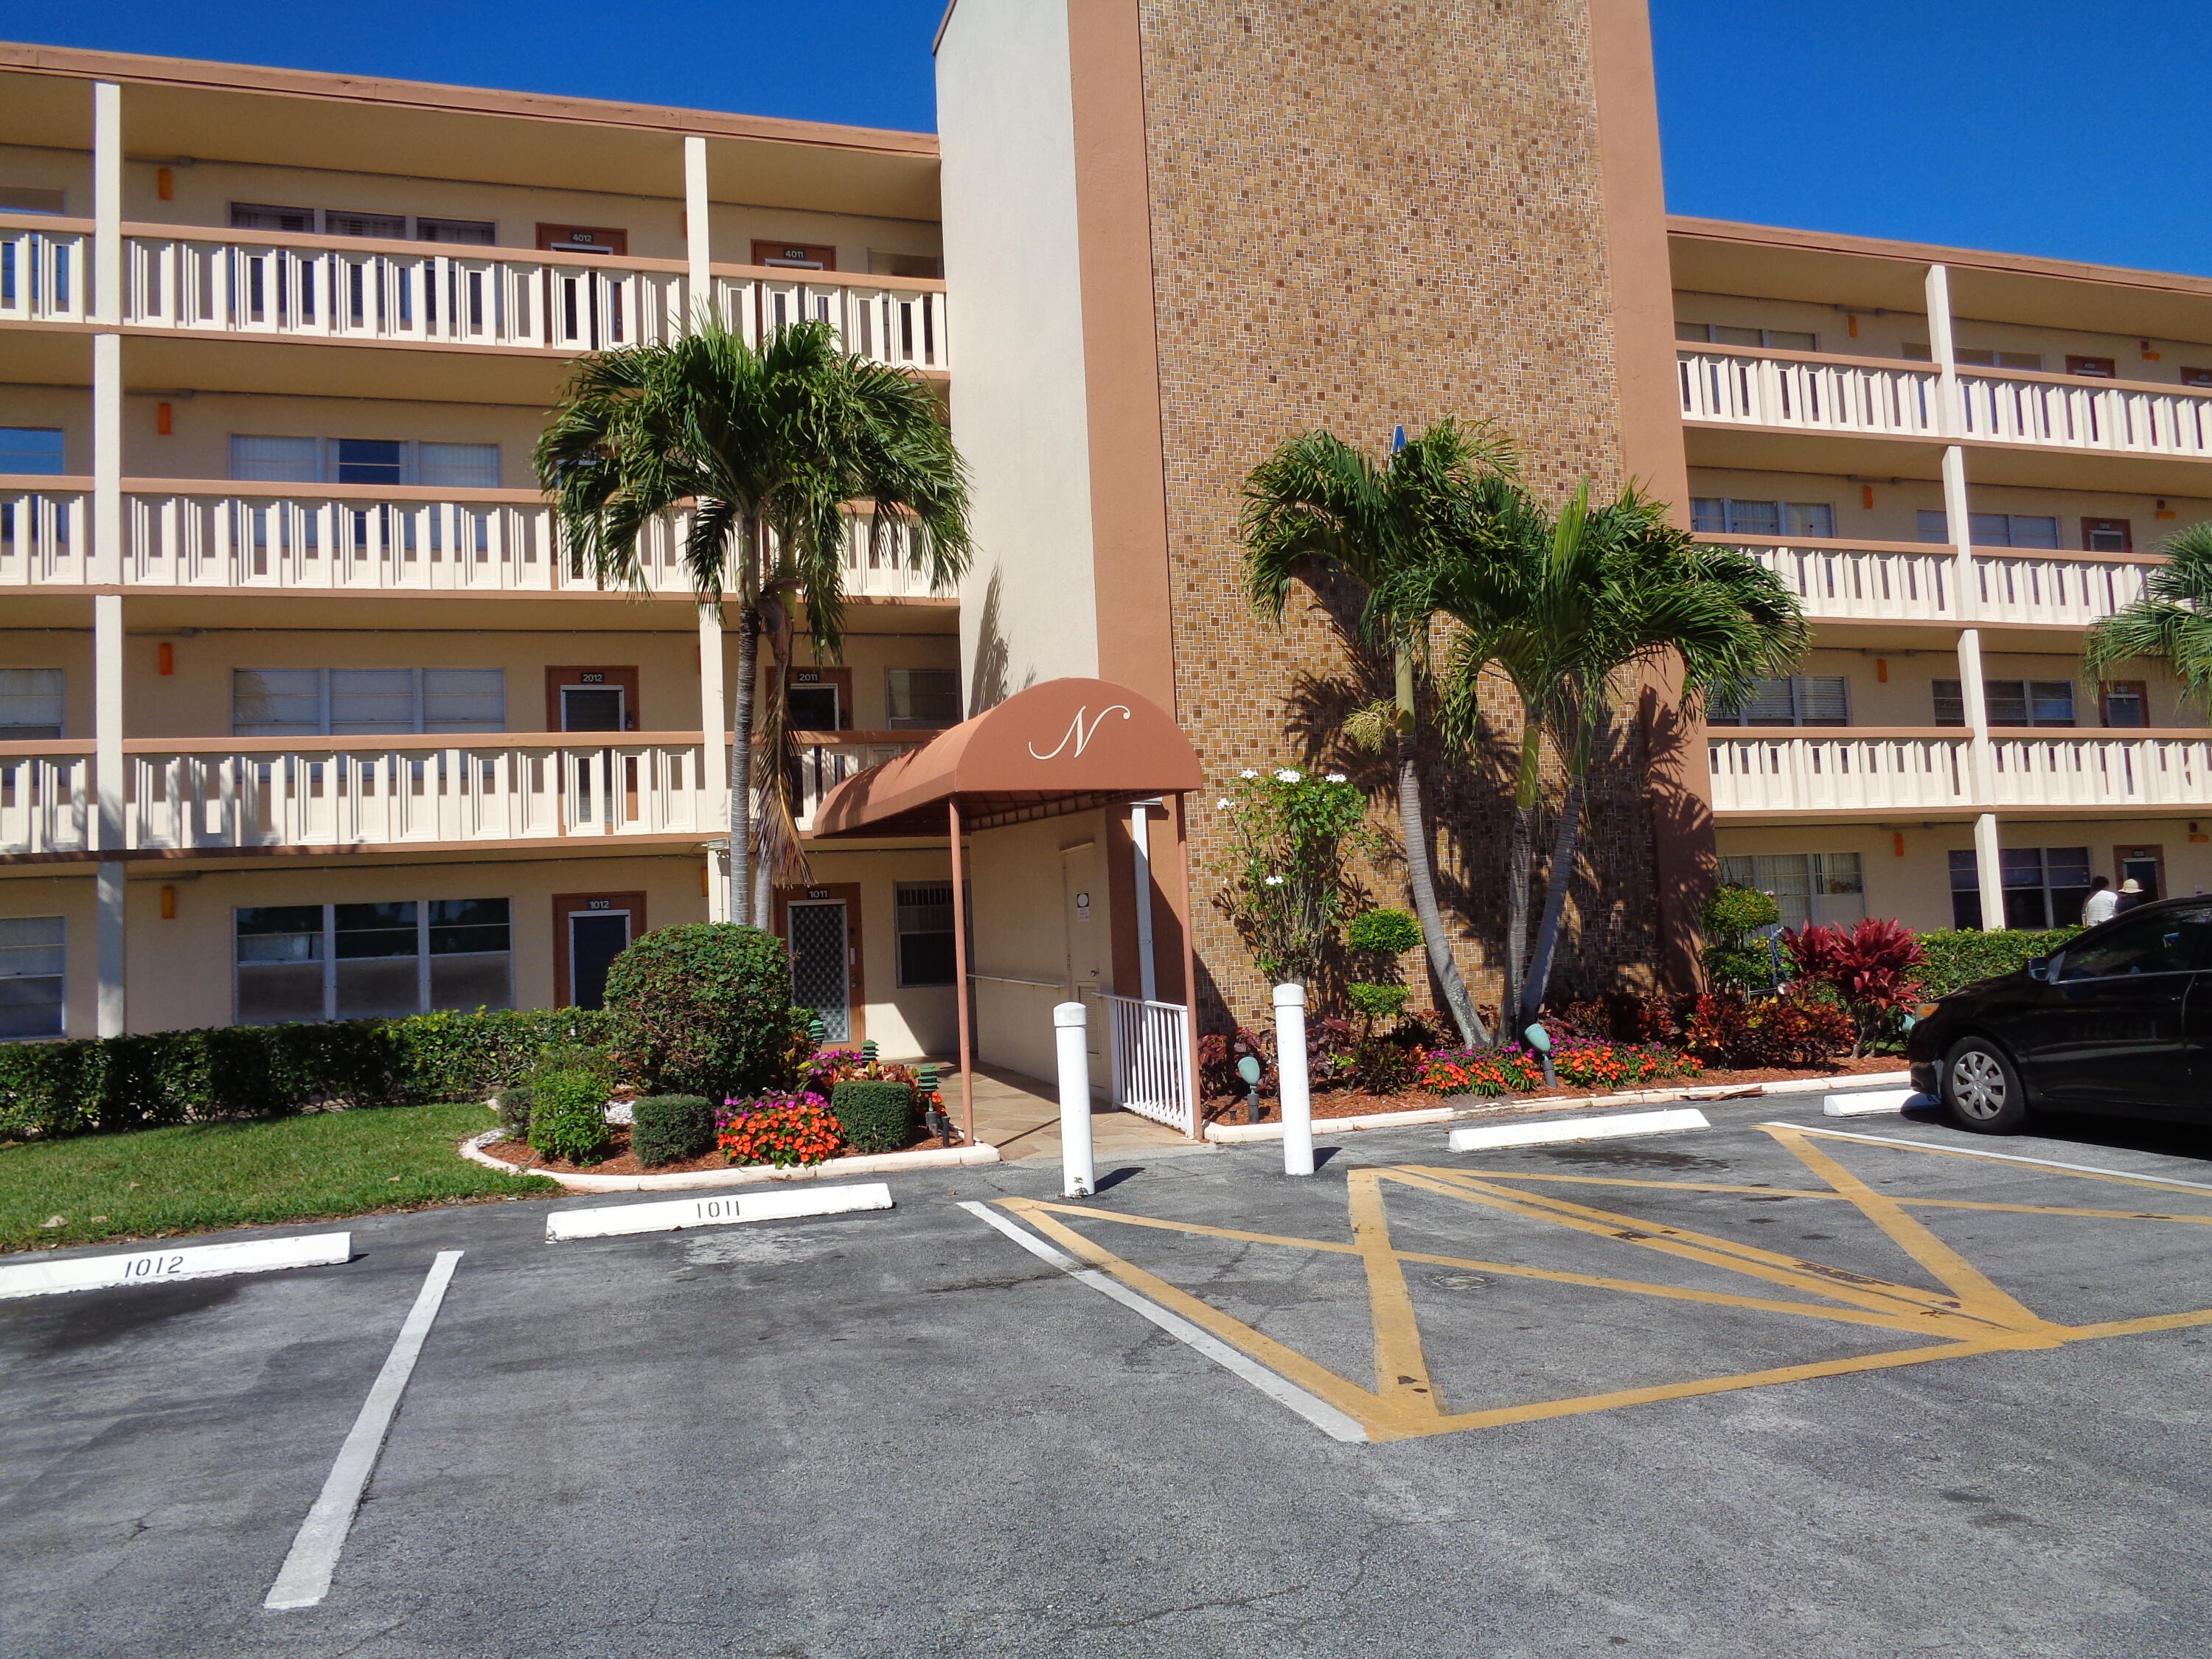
{"type": "Point", "coordinates": [1020, 1116]}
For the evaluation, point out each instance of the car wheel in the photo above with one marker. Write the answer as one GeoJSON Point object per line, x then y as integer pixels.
{"type": "Point", "coordinates": [1983, 1089]}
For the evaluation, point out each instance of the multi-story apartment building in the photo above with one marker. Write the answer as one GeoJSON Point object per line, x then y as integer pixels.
{"type": "Point", "coordinates": [310, 718]}
{"type": "Point", "coordinates": [1960, 461]}
{"type": "Point", "coordinates": [302, 715]}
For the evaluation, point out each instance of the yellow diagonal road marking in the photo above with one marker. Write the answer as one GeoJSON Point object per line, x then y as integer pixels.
{"type": "Point", "coordinates": [1841, 1198]}
{"type": "Point", "coordinates": [1383, 1419]}
{"type": "Point", "coordinates": [1972, 1287]}
{"type": "Point", "coordinates": [1914, 1324]}
{"type": "Point", "coordinates": [1935, 1312]}
{"type": "Point", "coordinates": [1400, 1371]}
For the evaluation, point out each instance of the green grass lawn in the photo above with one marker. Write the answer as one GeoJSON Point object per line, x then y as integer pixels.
{"type": "Point", "coordinates": [201, 1176]}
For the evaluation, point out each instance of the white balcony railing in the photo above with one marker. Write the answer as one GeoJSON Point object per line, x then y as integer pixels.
{"type": "Point", "coordinates": [44, 274]}
{"type": "Point", "coordinates": [262, 793]}
{"type": "Point", "coordinates": [826, 759]}
{"type": "Point", "coordinates": [185, 533]}
{"type": "Point", "coordinates": [1899, 580]}
{"type": "Point", "coordinates": [1833, 394]}
{"type": "Point", "coordinates": [1818, 392]}
{"type": "Point", "coordinates": [363, 288]}
{"type": "Point", "coordinates": [2072, 412]}
{"type": "Point", "coordinates": [1840, 770]}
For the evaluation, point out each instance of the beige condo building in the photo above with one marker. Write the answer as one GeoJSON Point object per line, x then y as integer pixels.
{"type": "Point", "coordinates": [302, 715]}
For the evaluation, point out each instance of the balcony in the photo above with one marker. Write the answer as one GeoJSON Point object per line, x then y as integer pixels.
{"type": "Point", "coordinates": [265, 792]}
{"type": "Point", "coordinates": [241, 792]}
{"type": "Point", "coordinates": [1909, 771]}
{"type": "Point", "coordinates": [265, 285]}
{"type": "Point", "coordinates": [354, 539]}
{"type": "Point", "coordinates": [826, 759]}
{"type": "Point", "coordinates": [1915, 581]}
{"type": "Point", "coordinates": [1882, 397]}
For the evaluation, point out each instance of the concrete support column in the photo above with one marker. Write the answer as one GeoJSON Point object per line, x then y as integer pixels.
{"type": "Point", "coordinates": [1988, 866]}
{"type": "Point", "coordinates": [1971, 693]}
{"type": "Point", "coordinates": [107, 203]}
{"type": "Point", "coordinates": [109, 787]}
{"type": "Point", "coordinates": [698, 240]}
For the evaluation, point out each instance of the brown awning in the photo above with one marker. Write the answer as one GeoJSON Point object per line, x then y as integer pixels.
{"type": "Point", "coordinates": [1065, 746]}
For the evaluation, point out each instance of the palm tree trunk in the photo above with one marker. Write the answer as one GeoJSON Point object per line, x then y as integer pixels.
{"type": "Point", "coordinates": [741, 768]}
{"type": "Point", "coordinates": [1520, 864]}
{"type": "Point", "coordinates": [1556, 881]}
{"type": "Point", "coordinates": [1421, 879]}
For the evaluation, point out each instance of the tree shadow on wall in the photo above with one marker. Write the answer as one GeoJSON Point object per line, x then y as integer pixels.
{"type": "Point", "coordinates": [988, 678]}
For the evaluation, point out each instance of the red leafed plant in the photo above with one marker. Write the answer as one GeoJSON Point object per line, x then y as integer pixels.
{"type": "Point", "coordinates": [1869, 968]}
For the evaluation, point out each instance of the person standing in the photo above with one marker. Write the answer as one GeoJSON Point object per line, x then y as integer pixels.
{"type": "Point", "coordinates": [2103, 902]}
{"type": "Point", "coordinates": [2131, 895]}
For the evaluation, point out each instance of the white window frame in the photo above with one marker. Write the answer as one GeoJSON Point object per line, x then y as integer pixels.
{"type": "Point", "coordinates": [1796, 690]}
{"type": "Point", "coordinates": [908, 722]}
{"type": "Point", "coordinates": [1696, 333]}
{"type": "Point", "coordinates": [319, 219]}
{"type": "Point", "coordinates": [61, 1008]}
{"type": "Point", "coordinates": [1801, 884]}
{"type": "Point", "coordinates": [899, 935]}
{"type": "Point", "coordinates": [1783, 512]}
{"type": "Point", "coordinates": [410, 458]}
{"type": "Point", "coordinates": [330, 956]}
{"type": "Point", "coordinates": [418, 696]}
{"type": "Point", "coordinates": [61, 432]}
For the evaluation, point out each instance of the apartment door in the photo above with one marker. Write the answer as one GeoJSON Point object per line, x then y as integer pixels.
{"type": "Point", "coordinates": [819, 700]}
{"type": "Point", "coordinates": [817, 926]}
{"type": "Point", "coordinates": [593, 698]}
{"type": "Point", "coordinates": [1087, 931]}
{"type": "Point", "coordinates": [583, 308]}
{"type": "Point", "coordinates": [802, 256]}
{"type": "Point", "coordinates": [2145, 864]}
{"type": "Point", "coordinates": [2107, 536]}
{"type": "Point", "coordinates": [590, 930]}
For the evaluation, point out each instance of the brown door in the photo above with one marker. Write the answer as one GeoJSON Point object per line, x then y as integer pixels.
{"type": "Point", "coordinates": [583, 239]}
{"type": "Point", "coordinates": [2103, 368]}
{"type": "Point", "coordinates": [590, 930]}
{"type": "Point", "coordinates": [2107, 536]}
{"type": "Point", "coordinates": [2145, 865]}
{"type": "Point", "coordinates": [803, 256]}
{"type": "Point", "coordinates": [2126, 702]}
{"type": "Point", "coordinates": [593, 698]}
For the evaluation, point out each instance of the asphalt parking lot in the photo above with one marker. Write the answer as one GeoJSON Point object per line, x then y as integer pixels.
{"type": "Point", "coordinates": [1753, 1390]}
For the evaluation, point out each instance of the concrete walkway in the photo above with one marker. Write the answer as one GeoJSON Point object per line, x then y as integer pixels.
{"type": "Point", "coordinates": [1020, 1116]}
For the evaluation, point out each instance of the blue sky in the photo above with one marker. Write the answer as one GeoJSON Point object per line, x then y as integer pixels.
{"type": "Point", "coordinates": [2061, 127]}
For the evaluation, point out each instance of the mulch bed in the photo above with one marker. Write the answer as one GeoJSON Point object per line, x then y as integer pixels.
{"type": "Point", "coordinates": [621, 1161]}
{"type": "Point", "coordinates": [1348, 1102]}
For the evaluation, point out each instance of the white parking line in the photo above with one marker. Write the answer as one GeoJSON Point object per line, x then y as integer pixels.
{"type": "Point", "coordinates": [2000, 1157]}
{"type": "Point", "coordinates": [1489, 1137]}
{"type": "Point", "coordinates": [1316, 1411]}
{"type": "Point", "coordinates": [305, 1578]}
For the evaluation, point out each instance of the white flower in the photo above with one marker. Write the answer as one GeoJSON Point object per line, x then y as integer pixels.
{"type": "Point", "coordinates": [1289, 775]}
{"type": "Point", "coordinates": [1336, 777]}
{"type": "Point", "coordinates": [1223, 803]}
{"type": "Point", "coordinates": [1273, 881]}
{"type": "Point", "coordinates": [1247, 773]}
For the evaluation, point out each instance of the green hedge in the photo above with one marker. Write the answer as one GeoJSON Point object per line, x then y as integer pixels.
{"type": "Point", "coordinates": [669, 1129]}
{"type": "Point", "coordinates": [1959, 957]}
{"type": "Point", "coordinates": [876, 1113]}
{"type": "Point", "coordinates": [703, 1008]}
{"type": "Point", "coordinates": [200, 1076]}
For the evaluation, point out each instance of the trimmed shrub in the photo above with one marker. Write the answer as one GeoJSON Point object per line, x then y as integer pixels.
{"type": "Point", "coordinates": [1384, 932]}
{"type": "Point", "coordinates": [785, 1130]}
{"type": "Point", "coordinates": [875, 1115]}
{"type": "Point", "coordinates": [1955, 957]}
{"type": "Point", "coordinates": [512, 1104]}
{"type": "Point", "coordinates": [568, 1116]}
{"type": "Point", "coordinates": [703, 1008]}
{"type": "Point", "coordinates": [669, 1129]}
{"type": "Point", "coordinates": [470, 1056]}
{"type": "Point", "coordinates": [1736, 957]}
{"type": "Point", "coordinates": [1374, 1002]}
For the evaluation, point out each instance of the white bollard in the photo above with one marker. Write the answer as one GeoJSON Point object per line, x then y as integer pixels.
{"type": "Point", "coordinates": [1293, 1086]}
{"type": "Point", "coordinates": [1072, 1035]}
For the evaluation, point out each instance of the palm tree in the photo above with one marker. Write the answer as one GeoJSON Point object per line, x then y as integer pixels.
{"type": "Point", "coordinates": [1563, 606]}
{"type": "Point", "coordinates": [771, 449]}
{"type": "Point", "coordinates": [2170, 624]}
{"type": "Point", "coordinates": [1317, 506]}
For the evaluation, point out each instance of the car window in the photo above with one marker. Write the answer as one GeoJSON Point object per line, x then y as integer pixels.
{"type": "Point", "coordinates": [2167, 942]}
